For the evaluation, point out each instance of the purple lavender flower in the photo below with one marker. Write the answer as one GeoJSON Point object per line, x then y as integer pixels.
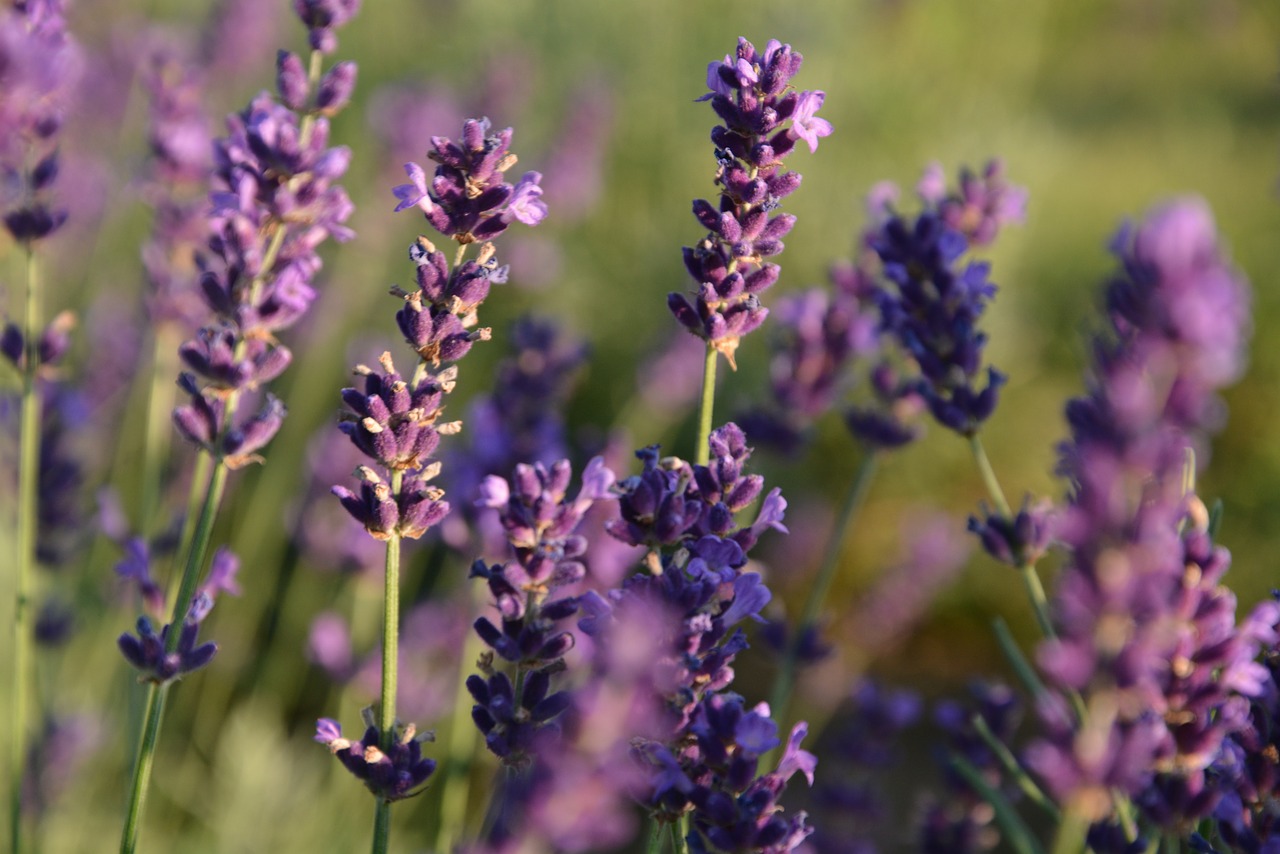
{"type": "Point", "coordinates": [322, 17]}
{"type": "Point", "coordinates": [1166, 693]}
{"type": "Point", "coordinates": [467, 199]}
{"type": "Point", "coordinates": [39, 64]}
{"type": "Point", "coordinates": [390, 776]}
{"type": "Point", "coordinates": [705, 753]}
{"type": "Point", "coordinates": [751, 94]}
{"type": "Point", "coordinates": [540, 522]}
{"type": "Point", "coordinates": [55, 758]}
{"type": "Point", "coordinates": [932, 304]}
{"type": "Point", "coordinates": [146, 650]}
{"type": "Point", "coordinates": [1020, 541]}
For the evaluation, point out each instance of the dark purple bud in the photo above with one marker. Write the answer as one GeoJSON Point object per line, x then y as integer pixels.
{"type": "Point", "coordinates": [291, 80]}
{"type": "Point", "coordinates": [336, 87]}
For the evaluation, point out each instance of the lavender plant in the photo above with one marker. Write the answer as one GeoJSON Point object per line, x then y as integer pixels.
{"type": "Point", "coordinates": [274, 202]}
{"type": "Point", "coordinates": [610, 674]}
{"type": "Point", "coordinates": [38, 66]}
{"type": "Point", "coordinates": [763, 119]}
{"type": "Point", "coordinates": [396, 423]}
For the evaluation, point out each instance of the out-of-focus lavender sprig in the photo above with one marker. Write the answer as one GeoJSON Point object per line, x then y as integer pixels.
{"type": "Point", "coordinates": [931, 302]}
{"type": "Point", "coordinates": [1161, 696]}
{"type": "Point", "coordinates": [39, 64]}
{"type": "Point", "coordinates": [541, 524]}
{"type": "Point", "coordinates": [396, 423]}
{"type": "Point", "coordinates": [763, 119]}
{"type": "Point", "coordinates": [862, 743]}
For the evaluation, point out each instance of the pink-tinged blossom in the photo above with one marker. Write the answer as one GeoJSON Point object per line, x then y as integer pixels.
{"type": "Point", "coordinates": [526, 203]}
{"type": "Point", "coordinates": [413, 194]}
{"type": "Point", "coordinates": [805, 124]}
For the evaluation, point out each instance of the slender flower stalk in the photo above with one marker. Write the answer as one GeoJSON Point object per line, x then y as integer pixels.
{"type": "Point", "coordinates": [274, 173]}
{"type": "Point", "coordinates": [38, 67]}
{"type": "Point", "coordinates": [396, 423]}
{"type": "Point", "coordinates": [28, 511]}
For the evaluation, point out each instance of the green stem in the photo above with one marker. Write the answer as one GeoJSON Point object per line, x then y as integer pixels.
{"type": "Point", "coordinates": [853, 499]}
{"type": "Point", "coordinates": [390, 662]}
{"type": "Point", "coordinates": [1030, 580]}
{"type": "Point", "coordinates": [28, 513]}
{"type": "Point", "coordinates": [1070, 838]}
{"type": "Point", "coordinates": [382, 826]}
{"type": "Point", "coordinates": [1015, 769]}
{"type": "Point", "coordinates": [680, 835]}
{"type": "Point", "coordinates": [655, 837]}
{"type": "Point", "coordinates": [702, 454]}
{"type": "Point", "coordinates": [156, 701]}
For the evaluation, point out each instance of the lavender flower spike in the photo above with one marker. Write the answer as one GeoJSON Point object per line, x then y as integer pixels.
{"type": "Point", "coordinates": [763, 118]}
{"type": "Point", "coordinates": [1169, 692]}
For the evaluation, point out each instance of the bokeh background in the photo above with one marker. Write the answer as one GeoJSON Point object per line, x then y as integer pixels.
{"type": "Point", "coordinates": [1100, 109]}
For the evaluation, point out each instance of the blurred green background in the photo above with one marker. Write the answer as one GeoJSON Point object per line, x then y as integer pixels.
{"type": "Point", "coordinates": [1101, 109]}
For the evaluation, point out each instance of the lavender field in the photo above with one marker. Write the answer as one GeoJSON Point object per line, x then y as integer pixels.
{"type": "Point", "coordinates": [510, 427]}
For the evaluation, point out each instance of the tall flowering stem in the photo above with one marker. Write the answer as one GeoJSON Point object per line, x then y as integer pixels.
{"type": "Point", "coordinates": [38, 66]}
{"type": "Point", "coordinates": [397, 423]}
{"type": "Point", "coordinates": [274, 201]}
{"type": "Point", "coordinates": [764, 117]}
{"type": "Point", "coordinates": [1161, 700]}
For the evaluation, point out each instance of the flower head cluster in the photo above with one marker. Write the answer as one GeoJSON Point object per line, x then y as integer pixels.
{"type": "Point", "coordinates": [672, 503]}
{"type": "Point", "coordinates": [540, 522]}
{"type": "Point", "coordinates": [391, 774]}
{"type": "Point", "coordinates": [468, 198]}
{"type": "Point", "coordinates": [275, 201]}
{"type": "Point", "coordinates": [1146, 635]}
{"type": "Point", "coordinates": [930, 300]}
{"type": "Point", "coordinates": [704, 757]}
{"type": "Point", "coordinates": [39, 65]}
{"type": "Point", "coordinates": [763, 119]}
{"type": "Point", "coordinates": [160, 657]}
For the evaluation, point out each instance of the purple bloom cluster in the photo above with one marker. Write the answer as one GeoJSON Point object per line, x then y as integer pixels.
{"type": "Point", "coordinates": [39, 64]}
{"type": "Point", "coordinates": [696, 593]}
{"type": "Point", "coordinates": [467, 198]}
{"type": "Point", "coordinates": [391, 775]}
{"type": "Point", "coordinates": [147, 651]}
{"type": "Point", "coordinates": [931, 303]}
{"type": "Point", "coordinates": [672, 503]}
{"type": "Point", "coordinates": [1247, 819]}
{"type": "Point", "coordinates": [763, 119]}
{"type": "Point", "coordinates": [1146, 635]}
{"type": "Point", "coordinates": [1020, 541]}
{"type": "Point", "coordinates": [540, 522]}
{"type": "Point", "coordinates": [275, 201]}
